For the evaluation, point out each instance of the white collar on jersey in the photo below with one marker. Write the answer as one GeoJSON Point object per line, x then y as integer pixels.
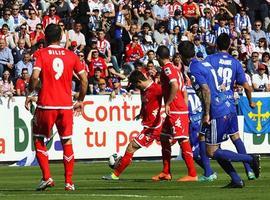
{"type": "Point", "coordinates": [55, 46]}
{"type": "Point", "coordinates": [148, 85]}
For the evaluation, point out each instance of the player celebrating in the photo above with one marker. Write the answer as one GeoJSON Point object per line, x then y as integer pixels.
{"type": "Point", "coordinates": [54, 67]}
{"type": "Point", "coordinates": [217, 109]}
{"type": "Point", "coordinates": [151, 97]}
{"type": "Point", "coordinates": [232, 73]}
{"type": "Point", "coordinates": [175, 126]}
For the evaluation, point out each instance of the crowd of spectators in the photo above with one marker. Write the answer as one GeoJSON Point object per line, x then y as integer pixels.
{"type": "Point", "coordinates": [114, 37]}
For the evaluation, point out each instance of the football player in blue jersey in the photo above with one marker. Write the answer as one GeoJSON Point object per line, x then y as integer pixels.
{"type": "Point", "coordinates": [232, 73]}
{"type": "Point", "coordinates": [197, 139]}
{"type": "Point", "coordinates": [217, 117]}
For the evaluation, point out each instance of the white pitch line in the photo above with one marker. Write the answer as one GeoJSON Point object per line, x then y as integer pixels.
{"type": "Point", "coordinates": [96, 195]}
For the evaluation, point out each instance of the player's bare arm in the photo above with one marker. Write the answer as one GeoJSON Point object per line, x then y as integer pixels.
{"type": "Point", "coordinates": [33, 84]}
{"type": "Point", "coordinates": [79, 103]}
{"type": "Point", "coordinates": [173, 92]}
{"type": "Point", "coordinates": [248, 91]}
{"type": "Point", "coordinates": [206, 99]}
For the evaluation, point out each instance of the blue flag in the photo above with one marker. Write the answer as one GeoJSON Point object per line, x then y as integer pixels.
{"type": "Point", "coordinates": [256, 120]}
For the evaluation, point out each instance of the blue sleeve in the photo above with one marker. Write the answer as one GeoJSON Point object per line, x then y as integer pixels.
{"type": "Point", "coordinates": [197, 73]}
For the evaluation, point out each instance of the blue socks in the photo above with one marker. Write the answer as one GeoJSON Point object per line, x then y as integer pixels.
{"type": "Point", "coordinates": [205, 159]}
{"type": "Point", "coordinates": [228, 155]}
{"type": "Point", "coordinates": [228, 168]}
{"type": "Point", "coordinates": [239, 145]}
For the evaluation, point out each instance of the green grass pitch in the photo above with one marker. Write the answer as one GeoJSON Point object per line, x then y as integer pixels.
{"type": "Point", "coordinates": [18, 183]}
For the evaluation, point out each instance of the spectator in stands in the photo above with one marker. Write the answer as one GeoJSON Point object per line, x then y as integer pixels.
{"type": "Point", "coordinates": [95, 20]}
{"type": "Point", "coordinates": [64, 42]}
{"type": "Point", "coordinates": [102, 88]}
{"type": "Point", "coordinates": [6, 85]}
{"type": "Point", "coordinates": [260, 80]}
{"type": "Point", "coordinates": [18, 51]}
{"type": "Point", "coordinates": [32, 21]}
{"type": "Point", "coordinates": [63, 10]}
{"type": "Point", "coordinates": [178, 20]}
{"type": "Point", "coordinates": [22, 83]}
{"type": "Point", "coordinates": [7, 36]}
{"type": "Point", "coordinates": [37, 35]}
{"type": "Point", "coordinates": [145, 30]}
{"type": "Point", "coordinates": [248, 47]}
{"type": "Point", "coordinates": [117, 89]}
{"type": "Point", "coordinates": [122, 23]}
{"type": "Point", "coordinates": [253, 63]}
{"type": "Point", "coordinates": [148, 44]}
{"type": "Point", "coordinates": [160, 12]}
{"type": "Point", "coordinates": [147, 18]}
{"type": "Point", "coordinates": [160, 35]}
{"type": "Point", "coordinates": [8, 20]}
{"type": "Point", "coordinates": [223, 13]}
{"type": "Point", "coordinates": [151, 72]}
{"type": "Point", "coordinates": [257, 33]}
{"type": "Point", "coordinates": [262, 47]}
{"type": "Point", "coordinates": [94, 80]}
{"type": "Point", "coordinates": [32, 5]}
{"type": "Point", "coordinates": [221, 27]}
{"type": "Point", "coordinates": [133, 52]}
{"type": "Point", "coordinates": [18, 18]}
{"type": "Point", "coordinates": [205, 23]}
{"type": "Point", "coordinates": [51, 18]}
{"type": "Point", "coordinates": [177, 61]}
{"type": "Point", "coordinates": [95, 61]}
{"type": "Point", "coordinates": [139, 7]}
{"type": "Point", "coordinates": [78, 36]}
{"type": "Point", "coordinates": [6, 58]}
{"type": "Point", "coordinates": [266, 60]}
{"type": "Point", "coordinates": [109, 6]}
{"type": "Point", "coordinates": [22, 34]}
{"type": "Point", "coordinates": [151, 57]}
{"type": "Point", "coordinates": [242, 21]}
{"type": "Point", "coordinates": [175, 39]}
{"type": "Point", "coordinates": [24, 63]}
{"type": "Point", "coordinates": [191, 12]}
{"type": "Point", "coordinates": [199, 47]}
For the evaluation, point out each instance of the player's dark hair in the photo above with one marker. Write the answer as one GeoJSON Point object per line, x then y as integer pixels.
{"type": "Point", "coordinates": [223, 41]}
{"type": "Point", "coordinates": [52, 33]}
{"type": "Point", "coordinates": [136, 76]}
{"type": "Point", "coordinates": [163, 52]}
{"type": "Point", "coordinates": [186, 49]}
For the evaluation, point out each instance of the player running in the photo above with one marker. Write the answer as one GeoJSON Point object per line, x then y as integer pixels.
{"type": "Point", "coordinates": [54, 67]}
{"type": "Point", "coordinates": [176, 124]}
{"type": "Point", "coordinates": [151, 97]}
{"type": "Point", "coordinates": [216, 108]}
{"type": "Point", "coordinates": [232, 73]}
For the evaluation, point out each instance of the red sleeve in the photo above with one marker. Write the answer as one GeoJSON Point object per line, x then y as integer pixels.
{"type": "Point", "coordinates": [78, 67]}
{"type": "Point", "coordinates": [18, 84]}
{"type": "Point", "coordinates": [38, 62]}
{"type": "Point", "coordinates": [171, 73]}
{"type": "Point", "coordinates": [129, 51]}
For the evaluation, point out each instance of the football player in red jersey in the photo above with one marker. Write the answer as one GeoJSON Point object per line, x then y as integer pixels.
{"type": "Point", "coordinates": [54, 67]}
{"type": "Point", "coordinates": [176, 124]}
{"type": "Point", "coordinates": [151, 97]}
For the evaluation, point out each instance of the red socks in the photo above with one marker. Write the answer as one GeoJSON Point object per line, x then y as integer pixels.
{"type": "Point", "coordinates": [188, 158]}
{"type": "Point", "coordinates": [125, 161]}
{"type": "Point", "coordinates": [42, 157]}
{"type": "Point", "coordinates": [166, 156]}
{"type": "Point", "coordinates": [68, 158]}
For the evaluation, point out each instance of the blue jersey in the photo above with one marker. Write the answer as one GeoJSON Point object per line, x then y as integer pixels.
{"type": "Point", "coordinates": [202, 73]}
{"type": "Point", "coordinates": [231, 72]}
{"type": "Point", "coordinates": [194, 105]}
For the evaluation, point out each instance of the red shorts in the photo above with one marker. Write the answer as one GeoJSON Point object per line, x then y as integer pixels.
{"type": "Point", "coordinates": [147, 136]}
{"type": "Point", "coordinates": [176, 126]}
{"type": "Point", "coordinates": [44, 119]}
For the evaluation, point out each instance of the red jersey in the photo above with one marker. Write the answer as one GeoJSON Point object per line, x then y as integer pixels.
{"type": "Point", "coordinates": [133, 53]}
{"type": "Point", "coordinates": [190, 9]}
{"type": "Point", "coordinates": [50, 20]}
{"type": "Point", "coordinates": [151, 104]}
{"type": "Point", "coordinates": [21, 84]}
{"type": "Point", "coordinates": [56, 66]}
{"type": "Point", "coordinates": [169, 74]}
{"type": "Point", "coordinates": [97, 63]}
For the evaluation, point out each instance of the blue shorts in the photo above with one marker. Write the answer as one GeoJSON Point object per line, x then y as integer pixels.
{"type": "Point", "coordinates": [220, 129]}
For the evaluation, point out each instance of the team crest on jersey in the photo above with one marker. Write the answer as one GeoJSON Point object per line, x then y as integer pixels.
{"type": "Point", "coordinates": [167, 71]}
{"type": "Point", "coordinates": [178, 123]}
